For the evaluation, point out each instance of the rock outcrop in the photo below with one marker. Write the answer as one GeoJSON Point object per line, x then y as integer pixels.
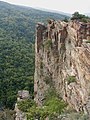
{"type": "Point", "coordinates": [22, 95]}
{"type": "Point", "coordinates": [62, 60]}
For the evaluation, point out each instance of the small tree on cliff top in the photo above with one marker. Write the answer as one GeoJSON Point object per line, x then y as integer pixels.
{"type": "Point", "coordinates": [80, 17]}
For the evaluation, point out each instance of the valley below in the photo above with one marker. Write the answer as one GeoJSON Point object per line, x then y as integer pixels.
{"type": "Point", "coordinates": [44, 64]}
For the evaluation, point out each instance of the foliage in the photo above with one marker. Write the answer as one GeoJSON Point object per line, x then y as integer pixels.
{"type": "Point", "coordinates": [52, 107]}
{"type": "Point", "coordinates": [80, 17]}
{"type": "Point", "coordinates": [16, 69]}
{"type": "Point", "coordinates": [48, 43]}
{"type": "Point", "coordinates": [55, 105]}
{"type": "Point", "coordinates": [88, 41]}
{"type": "Point", "coordinates": [51, 92]}
{"type": "Point", "coordinates": [17, 33]}
{"type": "Point", "coordinates": [25, 104]}
{"type": "Point", "coordinates": [71, 79]}
{"type": "Point", "coordinates": [19, 22]}
{"type": "Point", "coordinates": [65, 19]}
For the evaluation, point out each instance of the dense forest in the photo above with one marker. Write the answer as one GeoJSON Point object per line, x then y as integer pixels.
{"type": "Point", "coordinates": [19, 22]}
{"type": "Point", "coordinates": [17, 35]}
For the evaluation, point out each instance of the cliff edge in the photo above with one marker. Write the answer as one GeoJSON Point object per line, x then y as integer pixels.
{"type": "Point", "coordinates": [62, 61]}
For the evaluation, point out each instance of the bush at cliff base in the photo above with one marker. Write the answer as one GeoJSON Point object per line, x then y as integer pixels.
{"type": "Point", "coordinates": [25, 104]}
{"type": "Point", "coordinates": [52, 108]}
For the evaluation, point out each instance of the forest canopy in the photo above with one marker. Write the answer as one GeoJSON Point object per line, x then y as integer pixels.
{"type": "Point", "coordinates": [17, 36]}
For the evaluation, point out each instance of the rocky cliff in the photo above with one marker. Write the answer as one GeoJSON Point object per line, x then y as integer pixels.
{"type": "Point", "coordinates": [62, 61]}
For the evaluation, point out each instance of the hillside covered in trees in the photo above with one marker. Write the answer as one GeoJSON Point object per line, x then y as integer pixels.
{"type": "Point", "coordinates": [17, 35]}
{"type": "Point", "coordinates": [19, 22]}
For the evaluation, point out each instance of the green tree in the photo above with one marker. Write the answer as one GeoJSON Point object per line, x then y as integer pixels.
{"type": "Point", "coordinates": [80, 17]}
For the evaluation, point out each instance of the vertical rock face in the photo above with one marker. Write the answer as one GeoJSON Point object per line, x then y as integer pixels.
{"type": "Point", "coordinates": [62, 60]}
